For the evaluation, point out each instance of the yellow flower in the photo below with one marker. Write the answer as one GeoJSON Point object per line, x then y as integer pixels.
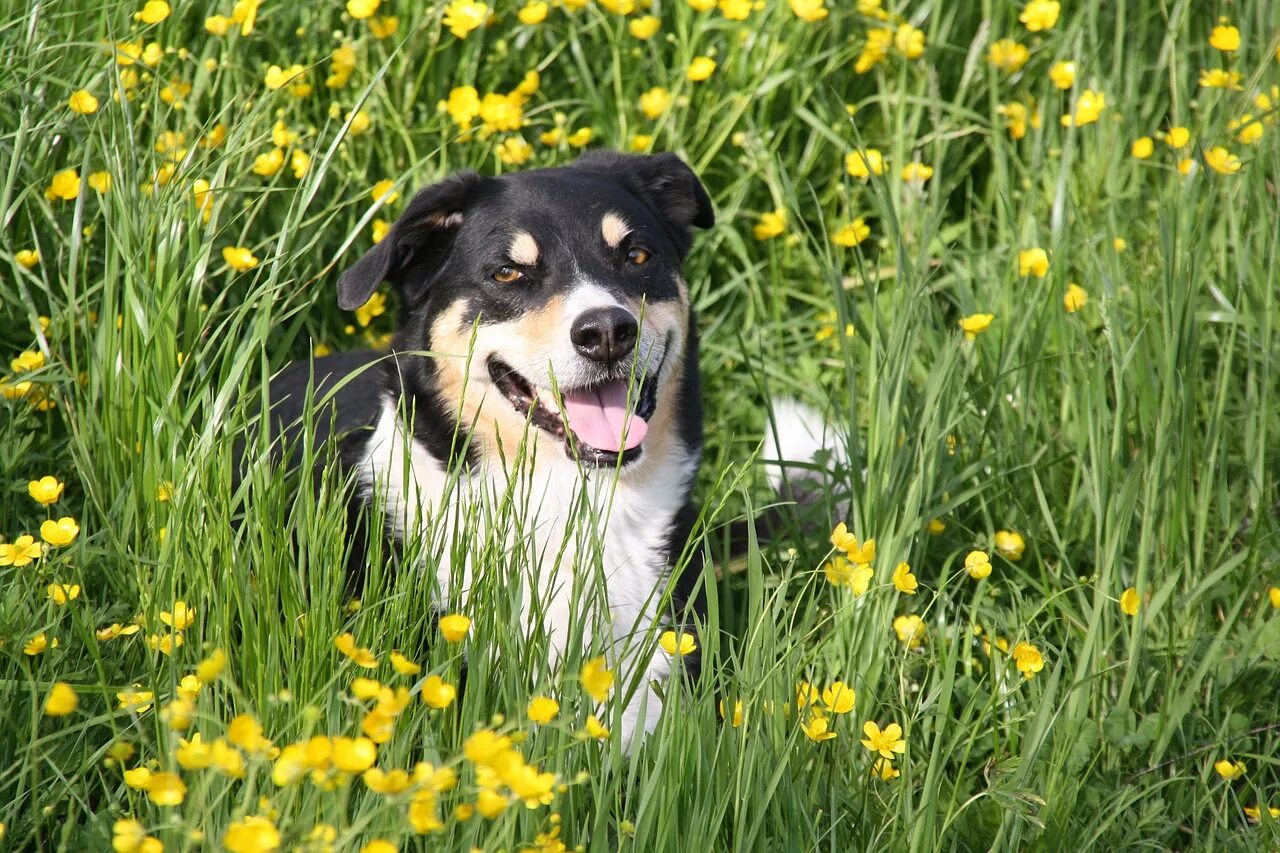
{"type": "Point", "coordinates": [579, 138]}
{"type": "Point", "coordinates": [1075, 298]}
{"type": "Point", "coordinates": [181, 618]}
{"type": "Point", "coordinates": [1028, 659]}
{"type": "Point", "coordinates": [1142, 147]}
{"type": "Point", "coordinates": [1010, 544]}
{"type": "Point", "coordinates": [252, 834]}
{"type": "Point", "coordinates": [82, 102]}
{"type": "Point", "coordinates": [139, 778]}
{"type": "Point", "coordinates": [463, 105]}
{"type": "Point", "coordinates": [378, 229]}
{"type": "Point", "coordinates": [38, 644]}
{"type": "Point", "coordinates": [463, 16]}
{"type": "Point", "coordinates": [884, 742]}
{"type": "Point", "coordinates": [1187, 166]}
{"type": "Point", "coordinates": [45, 491]}
{"type": "Point", "coordinates": [299, 162]}
{"type": "Point", "coordinates": [1008, 55]}
{"type": "Point", "coordinates": [374, 306]}
{"type": "Point", "coordinates": [266, 165]}
{"type": "Point", "coordinates": [645, 27]}
{"type": "Point", "coordinates": [65, 186]}
{"type": "Point", "coordinates": [809, 10]}
{"type": "Point", "coordinates": [1063, 74]}
{"type": "Point", "coordinates": [909, 41]}
{"type": "Point", "coordinates": [701, 68]}
{"type": "Point", "coordinates": [736, 719]}
{"type": "Point", "coordinates": [166, 789]}
{"type": "Point", "coordinates": [975, 324]}
{"type": "Point", "coordinates": [153, 12]}
{"type": "Point", "coordinates": [278, 78]}
{"type": "Point", "coordinates": [884, 770]}
{"type": "Point", "coordinates": [135, 701]}
{"type": "Point", "coordinates": [27, 360]}
{"type": "Point", "coordinates": [1254, 813]}
{"type": "Point", "coordinates": [361, 9]}
{"type": "Point", "coordinates": [534, 13]}
{"type": "Point", "coordinates": [211, 667]}
{"type": "Point", "coordinates": [127, 836]}
{"type": "Point", "coordinates": [1225, 38]}
{"type": "Point", "coordinates": [1033, 261]}
{"type": "Point", "coordinates": [840, 572]}
{"type": "Point", "coordinates": [386, 783]}
{"type": "Point", "coordinates": [217, 25]}
{"type": "Point", "coordinates": [903, 580]}
{"type": "Point", "coordinates": [1177, 137]}
{"type": "Point", "coordinates": [62, 700]}
{"type": "Point", "coordinates": [1040, 15]}
{"type": "Point", "coordinates": [346, 644]}
{"type": "Point", "coordinates": [702, 5]}
{"type": "Point", "coordinates": [596, 678]}
{"type": "Point", "coordinates": [502, 112]}
{"type": "Point", "coordinates": [735, 10]}
{"type": "Point", "coordinates": [1222, 161]}
{"type": "Point", "coordinates": [686, 644]}
{"type": "Point", "coordinates": [61, 532]}
{"type": "Point", "coordinates": [378, 845]}
{"type": "Point", "coordinates": [27, 258]}
{"type": "Point", "coordinates": [1228, 769]}
{"type": "Point", "coordinates": [852, 234]}
{"type": "Point", "coordinates": [61, 593]}
{"type": "Point", "coordinates": [542, 709]}
{"type": "Point", "coordinates": [839, 697]}
{"type": "Point", "coordinates": [977, 564]}
{"type": "Point", "coordinates": [1274, 595]}
{"type": "Point", "coordinates": [384, 191]}
{"type": "Point", "coordinates": [771, 224]}
{"type": "Point", "coordinates": [239, 258]}
{"type": "Point", "coordinates": [818, 728]}
{"type": "Point", "coordinates": [1246, 129]}
{"type": "Point", "coordinates": [1119, 244]}
{"type": "Point", "coordinates": [596, 729]}
{"type": "Point", "coordinates": [1217, 78]}
{"type": "Point", "coordinates": [1089, 107]}
{"type": "Point", "coordinates": [876, 49]}
{"type": "Point", "coordinates": [917, 172]}
{"type": "Point", "coordinates": [437, 693]}
{"type": "Point", "coordinates": [353, 755]}
{"type": "Point", "coordinates": [1129, 601]}
{"type": "Point", "coordinates": [514, 151]}
{"type": "Point", "coordinates": [863, 165]}
{"type": "Point", "coordinates": [910, 630]}
{"type": "Point", "coordinates": [935, 527]}
{"type": "Point", "coordinates": [246, 732]}
{"type": "Point", "coordinates": [655, 102]}
{"type": "Point", "coordinates": [384, 27]}
{"type": "Point", "coordinates": [403, 665]}
{"type": "Point", "coordinates": [454, 627]}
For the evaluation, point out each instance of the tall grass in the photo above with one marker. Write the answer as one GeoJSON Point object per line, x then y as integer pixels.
{"type": "Point", "coordinates": [1130, 443]}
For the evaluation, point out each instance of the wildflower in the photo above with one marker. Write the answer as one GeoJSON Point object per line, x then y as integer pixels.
{"type": "Point", "coordinates": [252, 834]}
{"type": "Point", "coordinates": [82, 102]}
{"type": "Point", "coordinates": [135, 701]}
{"type": "Point", "coordinates": [1228, 769]}
{"type": "Point", "coordinates": [1187, 166]}
{"type": "Point", "coordinates": [378, 845]}
{"type": "Point", "coordinates": [166, 789]}
{"type": "Point", "coordinates": [153, 12]}
{"type": "Point", "coordinates": [37, 645]}
{"type": "Point", "coordinates": [910, 630]}
{"type": "Point", "coordinates": [266, 165]}
{"type": "Point", "coordinates": [596, 678]}
{"type": "Point", "coordinates": [903, 580]}
{"type": "Point", "coordinates": [596, 729]}
{"type": "Point", "coordinates": [116, 630]}
{"type": "Point", "coordinates": [839, 697]}
{"type": "Point", "coordinates": [917, 172]}
{"type": "Point", "coordinates": [463, 16]}
{"type": "Point", "coordinates": [45, 491]}
{"type": "Point", "coordinates": [580, 137]}
{"type": "Point", "coordinates": [863, 165]}
{"type": "Point", "coordinates": [735, 10]}
{"type": "Point", "coordinates": [701, 68]}
{"type": "Point", "coordinates": [818, 728]}
{"type": "Point", "coordinates": [1008, 55]}
{"type": "Point", "coordinates": [852, 234]}
{"type": "Point", "coordinates": [975, 324]}
{"type": "Point", "coordinates": [437, 693]}
{"type": "Point", "coordinates": [502, 112]}
{"type": "Point", "coordinates": [1254, 813]}
{"type": "Point", "coordinates": [65, 186]}
{"type": "Point", "coordinates": [1142, 147]}
{"type": "Point", "coordinates": [645, 27]}
{"type": "Point", "coordinates": [374, 306]}
{"type": "Point", "coordinates": [1028, 659]}
{"type": "Point", "coordinates": [885, 742]}
{"type": "Point", "coordinates": [1129, 601]}
{"type": "Point", "coordinates": [1089, 107]}
{"type": "Point", "coordinates": [842, 539]}
{"type": "Point", "coordinates": [165, 644]}
{"type": "Point", "coordinates": [534, 13]}
{"type": "Point", "coordinates": [61, 593]}
{"type": "Point", "coordinates": [361, 9]}
{"type": "Point", "coordinates": [935, 527]}
{"type": "Point", "coordinates": [1177, 137]}
{"type": "Point", "coordinates": [1010, 544]}
{"type": "Point", "coordinates": [462, 105]}
{"type": "Point", "coordinates": [1222, 161]}
{"type": "Point", "coordinates": [26, 361]}
{"type": "Point", "coordinates": [245, 731]}
{"type": "Point", "coordinates": [384, 27]}
{"type": "Point", "coordinates": [139, 778]}
{"type": "Point", "coordinates": [1274, 595]}
{"type": "Point", "coordinates": [211, 667]}
{"type": "Point", "coordinates": [387, 784]}
{"type": "Point", "coordinates": [384, 191]}
{"type": "Point", "coordinates": [181, 618]}
{"type": "Point", "coordinates": [771, 224]}
{"type": "Point", "coordinates": [736, 719]}
{"type": "Point", "coordinates": [403, 665]}
{"type": "Point", "coordinates": [277, 77]}
{"type": "Point", "coordinates": [681, 644]}
{"type": "Point", "coordinates": [1225, 38]}
{"type": "Point", "coordinates": [127, 835]}
{"type": "Point", "coordinates": [454, 627]}
{"type": "Point", "coordinates": [378, 229]}
{"type": "Point", "coordinates": [346, 643]}
{"type": "Point", "coordinates": [240, 258]}
{"type": "Point", "coordinates": [884, 770]}
{"type": "Point", "coordinates": [61, 532]}
{"type": "Point", "coordinates": [62, 700]}
{"type": "Point", "coordinates": [1033, 261]}
{"type": "Point", "coordinates": [353, 755]}
{"type": "Point", "coordinates": [1018, 117]}
{"type": "Point", "coordinates": [514, 151]}
{"type": "Point", "coordinates": [655, 102]}
{"type": "Point", "coordinates": [840, 572]}
{"type": "Point", "coordinates": [909, 41]}
{"type": "Point", "coordinates": [299, 162]}
{"type": "Point", "coordinates": [1246, 129]}
{"type": "Point", "coordinates": [542, 709]}
{"type": "Point", "coordinates": [217, 25]}
{"type": "Point", "coordinates": [1075, 298]}
{"type": "Point", "coordinates": [1063, 74]}
{"type": "Point", "coordinates": [977, 564]}
{"type": "Point", "coordinates": [490, 804]}
{"type": "Point", "coordinates": [1216, 78]}
{"type": "Point", "coordinates": [27, 258]}
{"type": "Point", "coordinates": [702, 5]}
{"type": "Point", "coordinates": [1040, 15]}
{"type": "Point", "coordinates": [809, 10]}
{"type": "Point", "coordinates": [1119, 245]}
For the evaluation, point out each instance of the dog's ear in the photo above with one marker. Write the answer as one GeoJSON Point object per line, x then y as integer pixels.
{"type": "Point", "coordinates": [664, 181]}
{"type": "Point", "coordinates": [417, 244]}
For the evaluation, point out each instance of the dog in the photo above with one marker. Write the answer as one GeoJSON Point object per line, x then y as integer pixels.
{"type": "Point", "coordinates": [542, 315]}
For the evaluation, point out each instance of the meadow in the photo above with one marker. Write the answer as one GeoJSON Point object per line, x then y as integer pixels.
{"type": "Point", "coordinates": [1024, 257]}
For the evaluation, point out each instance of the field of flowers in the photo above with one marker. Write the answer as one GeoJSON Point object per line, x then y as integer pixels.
{"type": "Point", "coordinates": [1025, 256]}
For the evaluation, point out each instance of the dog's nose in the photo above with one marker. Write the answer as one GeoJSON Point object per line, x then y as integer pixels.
{"type": "Point", "coordinates": [604, 334]}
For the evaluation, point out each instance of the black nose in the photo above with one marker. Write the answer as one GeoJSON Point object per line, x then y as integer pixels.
{"type": "Point", "coordinates": [604, 334]}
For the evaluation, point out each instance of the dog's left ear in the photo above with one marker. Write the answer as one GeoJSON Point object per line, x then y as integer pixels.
{"type": "Point", "coordinates": [664, 181]}
{"type": "Point", "coordinates": [417, 245]}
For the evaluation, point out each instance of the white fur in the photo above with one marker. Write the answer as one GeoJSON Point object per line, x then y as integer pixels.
{"type": "Point", "coordinates": [798, 433]}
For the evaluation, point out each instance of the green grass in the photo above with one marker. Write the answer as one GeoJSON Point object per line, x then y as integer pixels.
{"type": "Point", "coordinates": [1132, 443]}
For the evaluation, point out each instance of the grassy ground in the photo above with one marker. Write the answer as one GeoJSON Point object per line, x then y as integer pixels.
{"type": "Point", "coordinates": [1130, 444]}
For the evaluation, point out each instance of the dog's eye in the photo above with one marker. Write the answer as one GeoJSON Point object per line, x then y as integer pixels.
{"type": "Point", "coordinates": [638, 256]}
{"type": "Point", "coordinates": [506, 275]}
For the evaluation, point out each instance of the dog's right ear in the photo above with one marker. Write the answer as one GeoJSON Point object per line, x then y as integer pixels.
{"type": "Point", "coordinates": [413, 250]}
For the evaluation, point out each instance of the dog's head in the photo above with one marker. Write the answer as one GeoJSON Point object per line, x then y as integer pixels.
{"type": "Point", "coordinates": [557, 292]}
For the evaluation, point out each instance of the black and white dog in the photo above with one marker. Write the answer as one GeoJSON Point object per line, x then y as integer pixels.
{"type": "Point", "coordinates": [559, 325]}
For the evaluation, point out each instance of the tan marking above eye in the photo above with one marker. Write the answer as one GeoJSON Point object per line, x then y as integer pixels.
{"type": "Point", "coordinates": [523, 249]}
{"type": "Point", "coordinates": [614, 229]}
{"type": "Point", "coordinates": [507, 275]}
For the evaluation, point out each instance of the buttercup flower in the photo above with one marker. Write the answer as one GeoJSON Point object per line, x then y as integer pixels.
{"type": "Point", "coordinates": [64, 186]}
{"type": "Point", "coordinates": [27, 258]}
{"type": "Point", "coordinates": [684, 644]}
{"type": "Point", "coordinates": [82, 102]}
{"type": "Point", "coordinates": [1063, 74]}
{"type": "Point", "coordinates": [1040, 15]}
{"type": "Point", "coordinates": [384, 26]}
{"type": "Point", "coordinates": [1228, 769]}
{"type": "Point", "coordinates": [809, 10]}
{"type": "Point", "coordinates": [59, 533]}
{"type": "Point", "coordinates": [454, 627]}
{"type": "Point", "coordinates": [975, 324]}
{"type": "Point", "coordinates": [916, 172]}
{"type": "Point", "coordinates": [153, 12]}
{"type": "Point", "coordinates": [597, 679]}
{"type": "Point", "coordinates": [977, 564]}
{"type": "Point", "coordinates": [838, 697]}
{"type": "Point", "coordinates": [384, 191]}
{"type": "Point", "coordinates": [887, 742]}
{"type": "Point", "coordinates": [1222, 161]}
{"type": "Point", "coordinates": [864, 164]}
{"type": "Point", "coordinates": [1089, 107]}
{"type": "Point", "coordinates": [463, 16]}
{"type": "Point", "coordinates": [1225, 38]}
{"type": "Point", "coordinates": [361, 9]}
{"type": "Point", "coordinates": [841, 572]}
{"type": "Point", "coordinates": [1142, 147]}
{"type": "Point", "coordinates": [818, 728]}
{"type": "Point", "coordinates": [180, 618]}
{"type": "Point", "coordinates": [903, 580]}
{"type": "Point", "coordinates": [277, 77]}
{"type": "Point", "coordinates": [1010, 544]}
{"type": "Point", "coordinates": [884, 770]}
{"type": "Point", "coordinates": [239, 258]}
{"type": "Point", "coordinates": [62, 700]}
{"type": "Point", "coordinates": [1033, 261]}
{"type": "Point", "coordinates": [542, 709]}
{"type": "Point", "coordinates": [61, 593]}
{"type": "Point", "coordinates": [1217, 78]}
{"type": "Point", "coordinates": [438, 694]}
{"type": "Point", "coordinates": [910, 630]}
{"type": "Point", "coordinates": [852, 234]}
{"type": "Point", "coordinates": [45, 491]}
{"type": "Point", "coordinates": [403, 665]}
{"type": "Point", "coordinates": [1129, 601]}
{"type": "Point", "coordinates": [701, 68]}
{"type": "Point", "coordinates": [1028, 659]}
{"type": "Point", "coordinates": [1008, 55]}
{"type": "Point", "coordinates": [771, 224]}
{"type": "Point", "coordinates": [1075, 298]}
{"type": "Point", "coordinates": [655, 102]}
{"type": "Point", "coordinates": [532, 14]}
{"type": "Point", "coordinates": [595, 729]}
{"type": "Point", "coordinates": [166, 789]}
{"type": "Point", "coordinates": [252, 834]}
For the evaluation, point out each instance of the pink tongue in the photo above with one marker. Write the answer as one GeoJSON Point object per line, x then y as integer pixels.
{"type": "Point", "coordinates": [599, 416]}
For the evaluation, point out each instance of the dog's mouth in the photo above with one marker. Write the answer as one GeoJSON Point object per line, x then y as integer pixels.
{"type": "Point", "coordinates": [598, 426]}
